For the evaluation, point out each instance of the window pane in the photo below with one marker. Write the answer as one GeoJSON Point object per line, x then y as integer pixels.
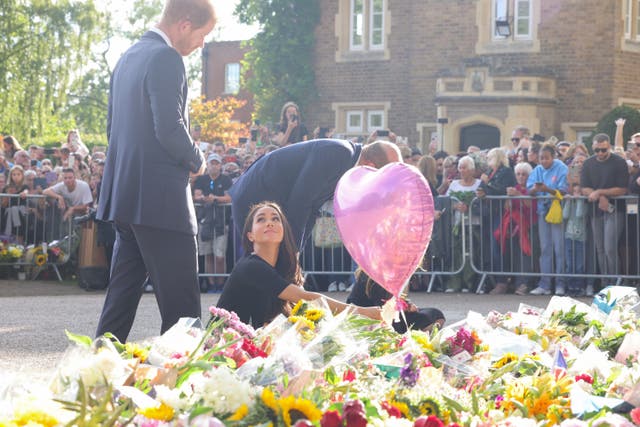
{"type": "Point", "coordinates": [375, 120]}
{"type": "Point", "coordinates": [637, 19]}
{"type": "Point", "coordinates": [357, 24]}
{"type": "Point", "coordinates": [377, 24]}
{"type": "Point", "coordinates": [232, 78]}
{"type": "Point", "coordinates": [523, 18]}
{"type": "Point", "coordinates": [354, 121]}
{"type": "Point", "coordinates": [500, 13]}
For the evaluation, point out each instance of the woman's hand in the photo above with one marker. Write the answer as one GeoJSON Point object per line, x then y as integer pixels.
{"type": "Point", "coordinates": [511, 191]}
{"type": "Point", "coordinates": [461, 207]}
{"type": "Point", "coordinates": [484, 178]}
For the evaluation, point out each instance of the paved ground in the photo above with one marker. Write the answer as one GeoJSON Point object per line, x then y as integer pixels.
{"type": "Point", "coordinates": [34, 316]}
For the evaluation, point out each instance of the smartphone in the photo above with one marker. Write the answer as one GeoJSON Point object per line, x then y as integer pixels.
{"type": "Point", "coordinates": [294, 118]}
{"type": "Point", "coordinates": [382, 132]}
{"type": "Point", "coordinates": [539, 183]}
{"type": "Point", "coordinates": [49, 151]}
{"type": "Point", "coordinates": [242, 140]}
{"type": "Point", "coordinates": [254, 135]}
{"type": "Point", "coordinates": [34, 163]}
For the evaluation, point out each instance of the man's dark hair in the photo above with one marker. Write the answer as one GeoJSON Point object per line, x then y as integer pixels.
{"type": "Point", "coordinates": [440, 155]}
{"type": "Point", "coordinates": [69, 170]}
{"type": "Point", "coordinates": [601, 137]}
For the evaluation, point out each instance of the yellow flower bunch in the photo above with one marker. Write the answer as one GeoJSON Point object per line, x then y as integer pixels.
{"type": "Point", "coordinates": [302, 323]}
{"type": "Point", "coordinates": [505, 360]}
{"type": "Point", "coordinates": [541, 396]}
{"type": "Point", "coordinates": [136, 351]}
{"type": "Point", "coordinates": [240, 413]}
{"type": "Point", "coordinates": [33, 417]}
{"type": "Point", "coordinates": [162, 412]}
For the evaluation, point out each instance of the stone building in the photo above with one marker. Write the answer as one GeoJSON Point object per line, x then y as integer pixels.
{"type": "Point", "coordinates": [469, 71]}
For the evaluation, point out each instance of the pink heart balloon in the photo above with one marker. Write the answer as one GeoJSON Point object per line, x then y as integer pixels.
{"type": "Point", "coordinates": [385, 218]}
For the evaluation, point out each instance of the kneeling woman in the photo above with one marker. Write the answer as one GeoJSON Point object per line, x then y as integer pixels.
{"type": "Point", "coordinates": [268, 281]}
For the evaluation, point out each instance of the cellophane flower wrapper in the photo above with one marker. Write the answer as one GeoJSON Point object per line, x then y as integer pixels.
{"type": "Point", "coordinates": [624, 298]}
{"type": "Point", "coordinates": [176, 344]}
{"type": "Point", "coordinates": [94, 366]}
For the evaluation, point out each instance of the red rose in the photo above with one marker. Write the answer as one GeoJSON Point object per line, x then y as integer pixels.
{"type": "Point", "coordinates": [353, 414]}
{"type": "Point", "coordinates": [430, 421]}
{"type": "Point", "coordinates": [391, 410]}
{"type": "Point", "coordinates": [331, 419]}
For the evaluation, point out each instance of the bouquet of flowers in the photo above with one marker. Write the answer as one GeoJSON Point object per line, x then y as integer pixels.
{"type": "Point", "coordinates": [10, 252]}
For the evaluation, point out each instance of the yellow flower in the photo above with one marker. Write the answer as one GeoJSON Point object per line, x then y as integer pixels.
{"type": "Point", "coordinates": [161, 413]}
{"type": "Point", "coordinates": [314, 314]}
{"type": "Point", "coordinates": [269, 399]}
{"type": "Point", "coordinates": [136, 351]}
{"type": "Point", "coordinates": [296, 308]}
{"type": "Point", "coordinates": [505, 360]}
{"type": "Point", "coordinates": [294, 409]}
{"type": "Point", "coordinates": [240, 413]}
{"type": "Point", "coordinates": [34, 417]}
{"type": "Point", "coordinates": [40, 260]}
{"type": "Point", "coordinates": [422, 341]}
{"type": "Point", "coordinates": [302, 323]}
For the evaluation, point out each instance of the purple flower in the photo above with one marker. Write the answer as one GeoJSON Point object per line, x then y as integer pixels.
{"type": "Point", "coordinates": [409, 373]}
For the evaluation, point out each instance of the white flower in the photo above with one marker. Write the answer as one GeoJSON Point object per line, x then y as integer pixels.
{"type": "Point", "coordinates": [106, 365]}
{"type": "Point", "coordinates": [171, 397]}
{"type": "Point", "coordinates": [221, 390]}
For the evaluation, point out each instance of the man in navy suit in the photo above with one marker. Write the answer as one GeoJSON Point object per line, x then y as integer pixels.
{"type": "Point", "coordinates": [301, 177]}
{"type": "Point", "coordinates": [145, 188]}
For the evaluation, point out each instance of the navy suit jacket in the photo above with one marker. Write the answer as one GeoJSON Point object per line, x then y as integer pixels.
{"type": "Point", "coordinates": [299, 177]}
{"type": "Point", "coordinates": [150, 155]}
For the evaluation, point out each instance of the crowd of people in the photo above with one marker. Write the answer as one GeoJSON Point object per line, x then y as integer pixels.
{"type": "Point", "coordinates": [68, 175]}
{"type": "Point", "coordinates": [512, 231]}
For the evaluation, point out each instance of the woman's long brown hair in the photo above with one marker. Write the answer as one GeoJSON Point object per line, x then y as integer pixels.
{"type": "Point", "coordinates": [287, 264]}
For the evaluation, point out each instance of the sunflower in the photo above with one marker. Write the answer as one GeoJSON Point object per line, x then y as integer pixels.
{"type": "Point", "coordinates": [40, 260]}
{"type": "Point", "coordinates": [429, 406]}
{"type": "Point", "coordinates": [302, 323]}
{"type": "Point", "coordinates": [269, 399]}
{"type": "Point", "coordinates": [161, 413]}
{"type": "Point", "coordinates": [240, 413]}
{"type": "Point", "coordinates": [300, 305]}
{"type": "Point", "coordinates": [294, 409]}
{"type": "Point", "coordinates": [314, 314]}
{"type": "Point", "coordinates": [505, 360]}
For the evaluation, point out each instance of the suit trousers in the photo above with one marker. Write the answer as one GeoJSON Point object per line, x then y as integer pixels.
{"type": "Point", "coordinates": [169, 258]}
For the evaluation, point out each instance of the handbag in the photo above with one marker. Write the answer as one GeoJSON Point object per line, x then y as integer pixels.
{"type": "Point", "coordinates": [554, 215]}
{"type": "Point", "coordinates": [326, 234]}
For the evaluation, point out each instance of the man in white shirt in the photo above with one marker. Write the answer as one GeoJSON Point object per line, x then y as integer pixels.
{"type": "Point", "coordinates": [73, 195]}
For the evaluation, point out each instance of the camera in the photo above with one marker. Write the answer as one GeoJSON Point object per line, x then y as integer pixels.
{"type": "Point", "coordinates": [294, 118]}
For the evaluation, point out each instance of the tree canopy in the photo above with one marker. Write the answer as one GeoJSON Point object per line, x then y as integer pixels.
{"type": "Point", "coordinates": [43, 48]}
{"type": "Point", "coordinates": [279, 66]}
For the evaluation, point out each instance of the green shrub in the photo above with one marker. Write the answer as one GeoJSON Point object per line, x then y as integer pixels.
{"type": "Point", "coordinates": [607, 123]}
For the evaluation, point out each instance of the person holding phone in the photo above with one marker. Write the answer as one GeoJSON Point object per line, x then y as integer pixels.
{"type": "Point", "coordinates": [291, 129]}
{"type": "Point", "coordinates": [550, 175]}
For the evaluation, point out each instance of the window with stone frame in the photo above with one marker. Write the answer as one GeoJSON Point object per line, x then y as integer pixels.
{"type": "Point", "coordinates": [631, 19]}
{"type": "Point", "coordinates": [362, 30]}
{"type": "Point", "coordinates": [360, 119]}
{"type": "Point", "coordinates": [508, 26]}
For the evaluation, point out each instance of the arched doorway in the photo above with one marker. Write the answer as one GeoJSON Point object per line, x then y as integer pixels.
{"type": "Point", "coordinates": [480, 135]}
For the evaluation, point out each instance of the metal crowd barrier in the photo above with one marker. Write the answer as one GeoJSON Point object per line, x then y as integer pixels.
{"type": "Point", "coordinates": [34, 229]}
{"type": "Point", "coordinates": [611, 255]}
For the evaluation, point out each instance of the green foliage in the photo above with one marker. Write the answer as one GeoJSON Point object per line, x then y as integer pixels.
{"type": "Point", "coordinates": [607, 123]}
{"type": "Point", "coordinates": [43, 48]}
{"type": "Point", "coordinates": [279, 66]}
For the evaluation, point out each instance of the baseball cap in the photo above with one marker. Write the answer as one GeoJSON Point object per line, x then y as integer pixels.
{"type": "Point", "coordinates": [214, 156]}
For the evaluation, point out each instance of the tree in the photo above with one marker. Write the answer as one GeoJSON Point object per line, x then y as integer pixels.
{"type": "Point", "coordinates": [279, 65]}
{"type": "Point", "coordinates": [44, 46]}
{"type": "Point", "coordinates": [607, 123]}
{"type": "Point", "coordinates": [214, 119]}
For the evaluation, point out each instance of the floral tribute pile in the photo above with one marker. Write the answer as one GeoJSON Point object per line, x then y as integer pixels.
{"type": "Point", "coordinates": [570, 364]}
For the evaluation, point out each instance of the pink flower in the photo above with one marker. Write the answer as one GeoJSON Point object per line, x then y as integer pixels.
{"type": "Point", "coordinates": [349, 376]}
{"type": "Point", "coordinates": [635, 415]}
{"type": "Point", "coordinates": [391, 410]}
{"type": "Point", "coordinates": [584, 377]}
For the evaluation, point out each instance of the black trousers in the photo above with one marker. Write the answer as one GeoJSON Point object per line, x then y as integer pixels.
{"type": "Point", "coordinates": [170, 258]}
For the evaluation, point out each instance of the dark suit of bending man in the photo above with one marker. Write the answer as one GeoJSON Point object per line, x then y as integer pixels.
{"type": "Point", "coordinates": [302, 176]}
{"type": "Point", "coordinates": [145, 189]}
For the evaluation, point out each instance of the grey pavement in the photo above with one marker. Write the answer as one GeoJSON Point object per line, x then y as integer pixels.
{"type": "Point", "coordinates": [34, 316]}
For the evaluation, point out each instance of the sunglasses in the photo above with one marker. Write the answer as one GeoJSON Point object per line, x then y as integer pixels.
{"type": "Point", "coordinates": [600, 150]}
{"type": "Point", "coordinates": [515, 139]}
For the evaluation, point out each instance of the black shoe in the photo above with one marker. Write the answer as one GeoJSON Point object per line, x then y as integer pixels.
{"type": "Point", "coordinates": [204, 285]}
